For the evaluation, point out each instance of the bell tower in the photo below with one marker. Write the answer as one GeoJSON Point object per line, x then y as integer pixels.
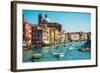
{"type": "Point", "coordinates": [39, 19]}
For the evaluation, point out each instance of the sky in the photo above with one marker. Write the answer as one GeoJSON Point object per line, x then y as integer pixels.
{"type": "Point", "coordinates": [70, 21]}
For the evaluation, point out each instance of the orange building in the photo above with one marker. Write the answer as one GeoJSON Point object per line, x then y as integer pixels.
{"type": "Point", "coordinates": [27, 34]}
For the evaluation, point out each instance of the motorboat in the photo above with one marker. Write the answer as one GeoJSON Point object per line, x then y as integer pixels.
{"type": "Point", "coordinates": [58, 54]}
{"type": "Point", "coordinates": [71, 47]}
{"type": "Point", "coordinates": [85, 50]}
{"type": "Point", "coordinates": [37, 55]}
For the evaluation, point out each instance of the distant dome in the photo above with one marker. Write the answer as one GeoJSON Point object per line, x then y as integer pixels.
{"type": "Point", "coordinates": [47, 19]}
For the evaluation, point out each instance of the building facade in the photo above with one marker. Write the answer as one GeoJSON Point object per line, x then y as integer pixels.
{"type": "Point", "coordinates": [27, 34]}
{"type": "Point", "coordinates": [37, 38]}
{"type": "Point", "coordinates": [84, 36]}
{"type": "Point", "coordinates": [74, 36]}
{"type": "Point", "coordinates": [46, 37]}
{"type": "Point", "coordinates": [67, 36]}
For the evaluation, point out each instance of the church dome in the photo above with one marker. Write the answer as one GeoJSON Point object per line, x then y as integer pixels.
{"type": "Point", "coordinates": [47, 20]}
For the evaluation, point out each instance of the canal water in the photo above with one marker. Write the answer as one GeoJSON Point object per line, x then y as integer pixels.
{"type": "Point", "coordinates": [58, 52]}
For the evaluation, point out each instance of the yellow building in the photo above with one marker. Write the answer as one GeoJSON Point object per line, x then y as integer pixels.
{"type": "Point", "coordinates": [49, 34]}
{"type": "Point", "coordinates": [52, 36]}
{"type": "Point", "coordinates": [57, 36]}
{"type": "Point", "coordinates": [46, 37]}
{"type": "Point", "coordinates": [66, 36]}
{"type": "Point", "coordinates": [63, 37]}
{"type": "Point", "coordinates": [75, 36]}
{"type": "Point", "coordinates": [46, 33]}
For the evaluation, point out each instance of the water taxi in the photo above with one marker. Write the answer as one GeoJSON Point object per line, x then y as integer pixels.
{"type": "Point", "coordinates": [58, 54]}
{"type": "Point", "coordinates": [37, 55]}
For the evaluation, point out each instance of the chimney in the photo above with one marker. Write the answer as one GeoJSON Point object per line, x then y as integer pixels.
{"type": "Point", "coordinates": [39, 19]}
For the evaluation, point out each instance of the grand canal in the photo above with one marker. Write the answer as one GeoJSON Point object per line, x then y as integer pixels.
{"type": "Point", "coordinates": [58, 52]}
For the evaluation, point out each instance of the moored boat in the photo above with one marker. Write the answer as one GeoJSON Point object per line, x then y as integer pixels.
{"type": "Point", "coordinates": [37, 55]}
{"type": "Point", "coordinates": [58, 54]}
{"type": "Point", "coordinates": [85, 50]}
{"type": "Point", "coordinates": [71, 47]}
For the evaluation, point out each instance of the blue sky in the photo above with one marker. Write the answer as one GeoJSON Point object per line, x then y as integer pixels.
{"type": "Point", "coordinates": [70, 21]}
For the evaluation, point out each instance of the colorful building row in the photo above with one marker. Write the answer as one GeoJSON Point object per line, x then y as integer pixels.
{"type": "Point", "coordinates": [76, 36]}
{"type": "Point", "coordinates": [48, 33]}
{"type": "Point", "coordinates": [36, 36]}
